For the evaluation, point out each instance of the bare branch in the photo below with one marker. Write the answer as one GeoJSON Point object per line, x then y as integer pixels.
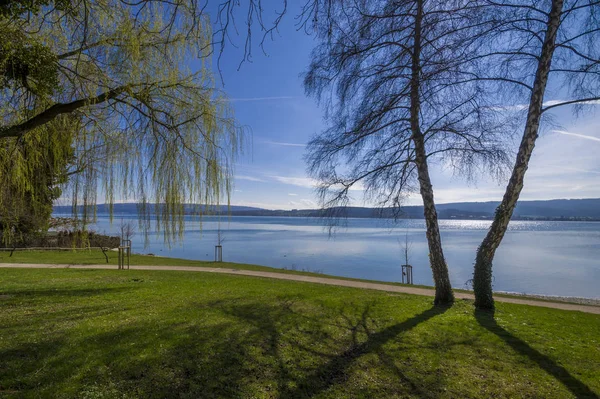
{"type": "Point", "coordinates": [578, 101]}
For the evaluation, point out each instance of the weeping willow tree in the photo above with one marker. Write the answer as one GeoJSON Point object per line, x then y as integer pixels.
{"type": "Point", "coordinates": [115, 100]}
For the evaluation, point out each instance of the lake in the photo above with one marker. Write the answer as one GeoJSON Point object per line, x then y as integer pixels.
{"type": "Point", "coordinates": [549, 257]}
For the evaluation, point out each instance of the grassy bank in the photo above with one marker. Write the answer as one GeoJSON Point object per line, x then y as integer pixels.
{"type": "Point", "coordinates": [115, 334]}
{"type": "Point", "coordinates": [95, 257]}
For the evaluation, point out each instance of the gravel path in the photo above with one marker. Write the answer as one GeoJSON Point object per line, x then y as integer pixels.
{"type": "Point", "coordinates": [321, 280]}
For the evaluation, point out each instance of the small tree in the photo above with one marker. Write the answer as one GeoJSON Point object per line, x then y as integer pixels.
{"type": "Point", "coordinates": [220, 237]}
{"type": "Point", "coordinates": [406, 246]}
{"type": "Point", "coordinates": [128, 230]}
{"type": "Point", "coordinates": [103, 241]}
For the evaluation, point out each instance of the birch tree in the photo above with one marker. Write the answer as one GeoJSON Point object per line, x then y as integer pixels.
{"type": "Point", "coordinates": [394, 79]}
{"type": "Point", "coordinates": [549, 47]}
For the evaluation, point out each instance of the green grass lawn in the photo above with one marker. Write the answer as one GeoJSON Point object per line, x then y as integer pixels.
{"type": "Point", "coordinates": [161, 334]}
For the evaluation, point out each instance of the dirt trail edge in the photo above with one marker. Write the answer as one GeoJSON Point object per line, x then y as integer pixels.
{"type": "Point", "coordinates": [318, 280]}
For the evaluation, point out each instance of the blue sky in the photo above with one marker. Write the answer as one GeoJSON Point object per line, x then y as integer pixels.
{"type": "Point", "coordinates": [268, 97]}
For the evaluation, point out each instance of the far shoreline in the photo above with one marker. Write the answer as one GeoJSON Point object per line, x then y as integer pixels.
{"type": "Point", "coordinates": [118, 215]}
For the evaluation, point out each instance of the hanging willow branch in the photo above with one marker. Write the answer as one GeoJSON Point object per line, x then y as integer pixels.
{"type": "Point", "coordinates": [124, 96]}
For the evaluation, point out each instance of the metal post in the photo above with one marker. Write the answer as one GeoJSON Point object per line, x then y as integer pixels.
{"type": "Point", "coordinates": [128, 246]}
{"type": "Point", "coordinates": [407, 274]}
{"type": "Point", "coordinates": [218, 253]}
{"type": "Point", "coordinates": [124, 250]}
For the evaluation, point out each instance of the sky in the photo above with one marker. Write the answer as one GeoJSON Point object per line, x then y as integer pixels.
{"type": "Point", "coordinates": [268, 98]}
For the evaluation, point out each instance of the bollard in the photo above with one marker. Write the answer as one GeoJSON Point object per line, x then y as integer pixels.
{"type": "Point", "coordinates": [124, 251]}
{"type": "Point", "coordinates": [218, 253]}
{"type": "Point", "coordinates": [128, 252]}
{"type": "Point", "coordinates": [407, 273]}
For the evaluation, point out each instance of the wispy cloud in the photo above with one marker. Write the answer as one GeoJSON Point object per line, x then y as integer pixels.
{"type": "Point", "coordinates": [293, 195]}
{"type": "Point", "coordinates": [307, 182]}
{"type": "Point", "coordinates": [296, 181]}
{"type": "Point", "coordinates": [516, 107]}
{"type": "Point", "coordinates": [581, 136]}
{"type": "Point", "coordinates": [579, 170]}
{"type": "Point", "coordinates": [248, 99]}
{"type": "Point", "coordinates": [249, 178]}
{"type": "Point", "coordinates": [520, 107]}
{"type": "Point", "coordinates": [284, 144]}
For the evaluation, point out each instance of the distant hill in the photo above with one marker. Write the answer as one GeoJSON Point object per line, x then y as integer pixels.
{"type": "Point", "coordinates": [557, 209]}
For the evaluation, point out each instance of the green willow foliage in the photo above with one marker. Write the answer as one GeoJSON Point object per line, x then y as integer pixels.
{"type": "Point", "coordinates": [27, 62]}
{"type": "Point", "coordinates": [32, 170]}
{"type": "Point", "coordinates": [11, 8]}
{"type": "Point", "coordinates": [118, 99]}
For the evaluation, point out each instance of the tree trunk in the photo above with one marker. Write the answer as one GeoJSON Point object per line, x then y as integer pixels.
{"type": "Point", "coordinates": [443, 288]}
{"type": "Point", "coordinates": [482, 276]}
{"type": "Point", "coordinates": [441, 278]}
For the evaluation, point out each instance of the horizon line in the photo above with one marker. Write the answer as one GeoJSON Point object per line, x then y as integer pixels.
{"type": "Point", "coordinates": [366, 207]}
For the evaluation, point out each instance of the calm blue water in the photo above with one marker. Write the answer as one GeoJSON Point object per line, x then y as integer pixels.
{"type": "Point", "coordinates": [553, 258]}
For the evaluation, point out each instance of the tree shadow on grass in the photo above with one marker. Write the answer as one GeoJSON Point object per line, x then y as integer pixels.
{"type": "Point", "coordinates": [176, 357]}
{"type": "Point", "coordinates": [239, 347]}
{"type": "Point", "coordinates": [267, 322]}
{"type": "Point", "coordinates": [579, 389]}
{"type": "Point", "coordinates": [284, 325]}
{"type": "Point", "coordinates": [335, 370]}
{"type": "Point", "coordinates": [145, 360]}
{"type": "Point", "coordinates": [20, 362]}
{"type": "Point", "coordinates": [68, 292]}
{"type": "Point", "coordinates": [174, 361]}
{"type": "Point", "coordinates": [50, 307]}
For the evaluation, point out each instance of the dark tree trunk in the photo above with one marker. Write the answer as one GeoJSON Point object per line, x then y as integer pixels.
{"type": "Point", "coordinates": [104, 249]}
{"type": "Point", "coordinates": [482, 277]}
{"type": "Point", "coordinates": [441, 278]}
{"type": "Point", "coordinates": [56, 110]}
